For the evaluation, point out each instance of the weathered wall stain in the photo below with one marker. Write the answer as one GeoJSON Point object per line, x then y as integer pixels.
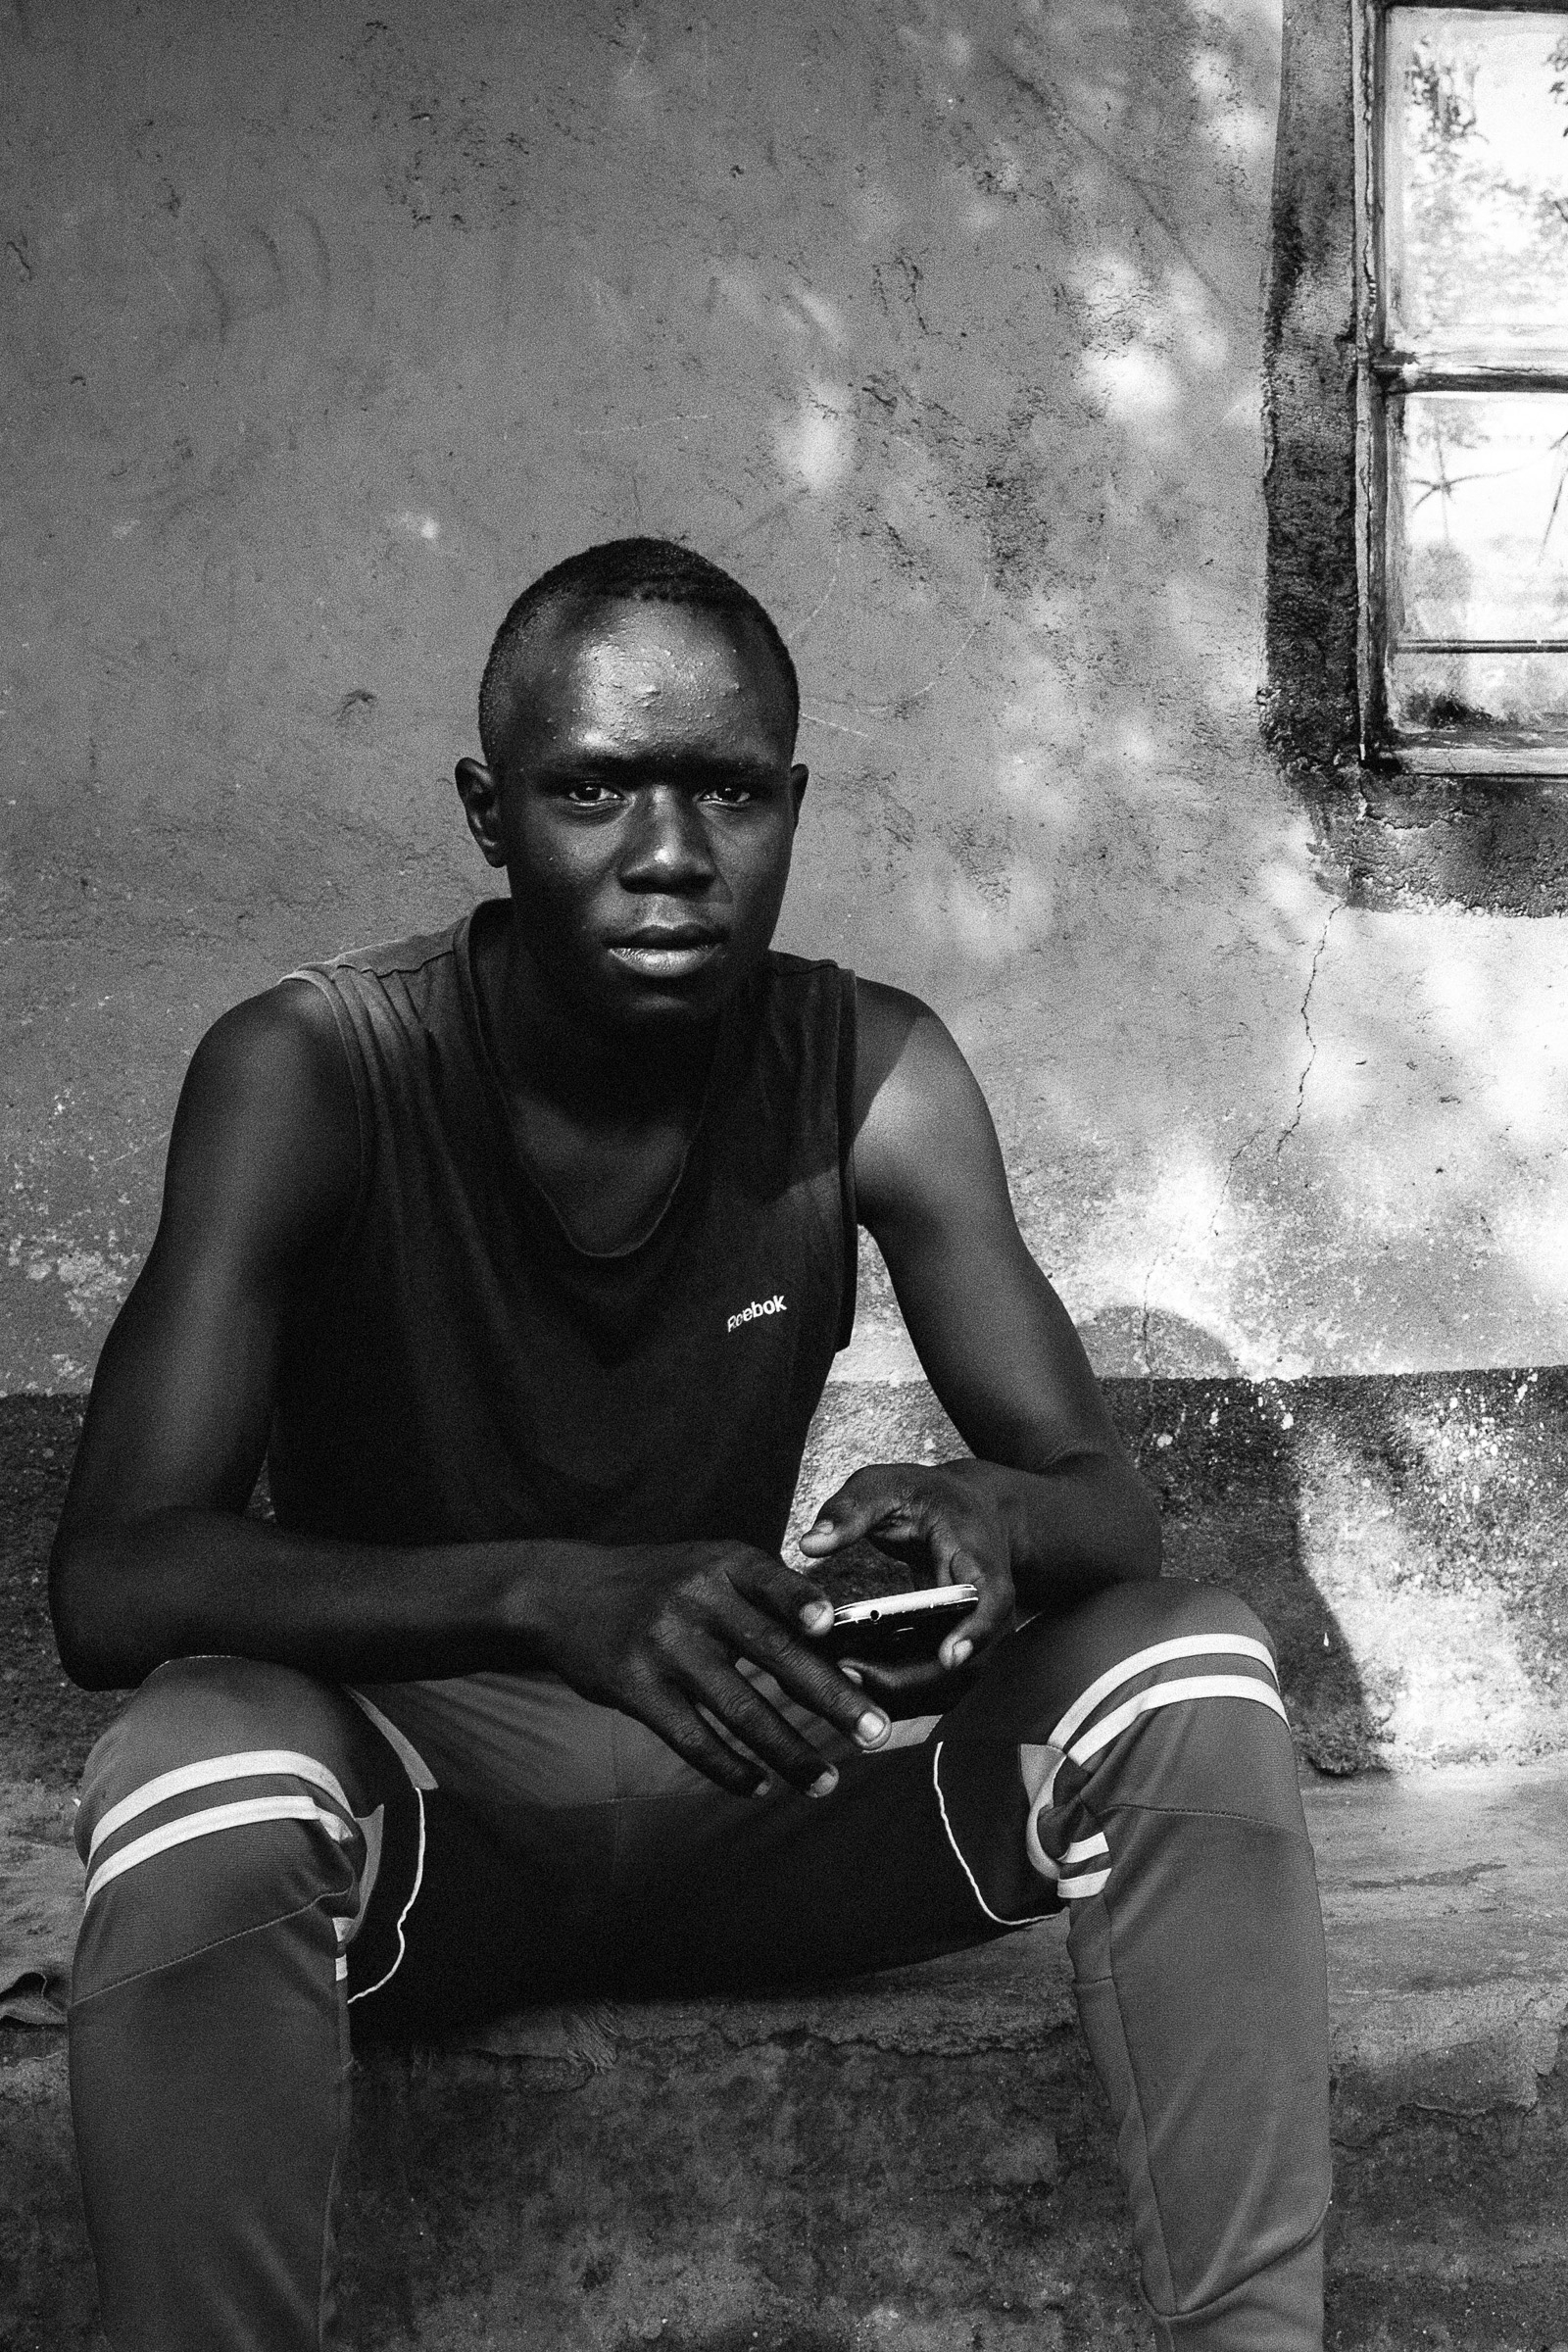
{"type": "Point", "coordinates": [1309, 401]}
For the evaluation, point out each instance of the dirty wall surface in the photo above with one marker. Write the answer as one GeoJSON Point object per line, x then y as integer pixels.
{"type": "Point", "coordinates": [943, 327]}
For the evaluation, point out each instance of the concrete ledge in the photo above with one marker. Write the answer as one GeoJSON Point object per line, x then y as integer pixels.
{"type": "Point", "coordinates": [1402, 1537]}
{"type": "Point", "coordinates": [922, 2158]}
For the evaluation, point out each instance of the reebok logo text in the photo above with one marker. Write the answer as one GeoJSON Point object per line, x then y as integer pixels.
{"type": "Point", "coordinates": [758, 1306]}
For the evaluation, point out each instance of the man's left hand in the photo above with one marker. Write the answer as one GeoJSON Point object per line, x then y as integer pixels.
{"type": "Point", "coordinates": [945, 1521]}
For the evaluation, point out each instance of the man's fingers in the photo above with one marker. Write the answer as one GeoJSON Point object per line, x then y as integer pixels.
{"type": "Point", "coordinates": [914, 1687]}
{"type": "Point", "coordinates": [746, 1715]}
{"type": "Point", "coordinates": [832, 1529]}
{"type": "Point", "coordinates": [815, 1681]}
{"type": "Point", "coordinates": [991, 1615]}
{"type": "Point", "coordinates": [681, 1728]}
{"type": "Point", "coordinates": [865, 1500]}
{"type": "Point", "coordinates": [788, 1598]}
{"type": "Point", "coordinates": [798, 1669]}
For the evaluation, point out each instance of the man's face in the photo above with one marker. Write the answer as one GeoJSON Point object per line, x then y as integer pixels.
{"type": "Point", "coordinates": [646, 809]}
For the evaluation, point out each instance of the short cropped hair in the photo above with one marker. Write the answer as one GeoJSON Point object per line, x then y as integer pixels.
{"type": "Point", "coordinates": [654, 571]}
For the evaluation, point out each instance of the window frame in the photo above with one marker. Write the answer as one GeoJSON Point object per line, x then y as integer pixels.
{"type": "Point", "coordinates": [1382, 374]}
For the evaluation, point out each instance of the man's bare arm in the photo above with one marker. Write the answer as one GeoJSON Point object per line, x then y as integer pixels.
{"type": "Point", "coordinates": [1052, 1508]}
{"type": "Point", "coordinates": [155, 1559]}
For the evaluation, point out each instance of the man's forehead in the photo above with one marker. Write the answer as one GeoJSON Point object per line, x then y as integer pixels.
{"type": "Point", "coordinates": [613, 675]}
{"type": "Point", "coordinates": [642, 654]}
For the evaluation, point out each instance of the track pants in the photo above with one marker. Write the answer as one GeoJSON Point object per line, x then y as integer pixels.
{"type": "Point", "coordinates": [268, 1860]}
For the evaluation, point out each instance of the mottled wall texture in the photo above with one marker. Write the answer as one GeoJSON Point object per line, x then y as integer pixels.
{"type": "Point", "coordinates": [972, 337]}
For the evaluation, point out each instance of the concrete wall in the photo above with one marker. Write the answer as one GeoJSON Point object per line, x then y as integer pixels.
{"type": "Point", "coordinates": [945, 327]}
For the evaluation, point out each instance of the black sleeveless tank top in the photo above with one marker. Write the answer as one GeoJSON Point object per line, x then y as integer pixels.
{"type": "Point", "coordinates": [469, 1373]}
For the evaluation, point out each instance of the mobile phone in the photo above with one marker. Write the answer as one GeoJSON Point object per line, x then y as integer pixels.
{"type": "Point", "coordinates": [898, 1628]}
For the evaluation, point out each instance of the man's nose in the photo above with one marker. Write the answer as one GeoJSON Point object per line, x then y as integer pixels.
{"type": "Point", "coordinates": [668, 846]}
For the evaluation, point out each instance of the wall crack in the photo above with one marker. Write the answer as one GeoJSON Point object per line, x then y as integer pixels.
{"type": "Point", "coordinates": [1287, 1131]}
{"type": "Point", "coordinates": [1231, 1167]}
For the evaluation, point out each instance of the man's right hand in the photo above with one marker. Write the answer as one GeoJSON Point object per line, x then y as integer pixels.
{"type": "Point", "coordinates": [657, 1630]}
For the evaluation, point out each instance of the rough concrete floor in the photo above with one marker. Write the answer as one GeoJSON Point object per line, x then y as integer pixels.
{"type": "Point", "coordinates": [923, 2160]}
{"type": "Point", "coordinates": [921, 2163]}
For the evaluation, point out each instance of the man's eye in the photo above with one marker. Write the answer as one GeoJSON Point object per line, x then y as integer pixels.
{"type": "Point", "coordinates": [731, 796]}
{"type": "Point", "coordinates": [589, 794]}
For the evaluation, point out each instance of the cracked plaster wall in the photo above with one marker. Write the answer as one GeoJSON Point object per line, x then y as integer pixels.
{"type": "Point", "coordinates": [944, 326]}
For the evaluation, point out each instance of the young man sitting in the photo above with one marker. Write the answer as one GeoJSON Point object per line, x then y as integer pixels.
{"type": "Point", "coordinates": [517, 1697]}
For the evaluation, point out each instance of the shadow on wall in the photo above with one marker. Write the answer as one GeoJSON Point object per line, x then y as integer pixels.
{"type": "Point", "coordinates": [1221, 1456]}
{"type": "Point", "coordinates": [1402, 1537]}
{"type": "Point", "coordinates": [1399, 1535]}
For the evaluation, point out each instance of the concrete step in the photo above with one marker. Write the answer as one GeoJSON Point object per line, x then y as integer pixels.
{"type": "Point", "coordinates": [922, 2159]}
{"type": "Point", "coordinates": [1402, 1536]}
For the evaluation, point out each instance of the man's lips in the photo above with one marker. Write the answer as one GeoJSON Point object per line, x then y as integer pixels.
{"type": "Point", "coordinates": [671, 954]}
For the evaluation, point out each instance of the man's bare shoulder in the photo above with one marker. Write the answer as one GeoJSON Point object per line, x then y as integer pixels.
{"type": "Point", "coordinates": [921, 1123]}
{"type": "Point", "coordinates": [886, 1020]}
{"type": "Point", "coordinates": [287, 1033]}
{"type": "Point", "coordinates": [899, 1039]}
{"type": "Point", "coordinates": [276, 1056]}
{"type": "Point", "coordinates": [267, 1113]}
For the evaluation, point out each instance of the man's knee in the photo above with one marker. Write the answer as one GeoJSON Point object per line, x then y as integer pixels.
{"type": "Point", "coordinates": [1177, 1703]}
{"type": "Point", "coordinates": [193, 1712]}
{"type": "Point", "coordinates": [1128, 1619]}
{"type": "Point", "coordinates": [1160, 1693]}
{"type": "Point", "coordinates": [1157, 1699]}
{"type": "Point", "coordinates": [1165, 1628]}
{"type": "Point", "coordinates": [220, 1800]}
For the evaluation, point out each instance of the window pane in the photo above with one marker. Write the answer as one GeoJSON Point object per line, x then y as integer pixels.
{"type": "Point", "coordinates": [1478, 515]}
{"type": "Point", "coordinates": [1478, 557]}
{"type": "Point", "coordinates": [1496, 701]}
{"type": "Point", "coordinates": [1476, 180]}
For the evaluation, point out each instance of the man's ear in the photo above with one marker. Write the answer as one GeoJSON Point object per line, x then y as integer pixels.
{"type": "Point", "coordinates": [479, 791]}
{"type": "Point", "coordinates": [800, 777]}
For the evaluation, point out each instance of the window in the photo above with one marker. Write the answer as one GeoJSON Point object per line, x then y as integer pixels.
{"type": "Point", "coordinates": [1462, 387]}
